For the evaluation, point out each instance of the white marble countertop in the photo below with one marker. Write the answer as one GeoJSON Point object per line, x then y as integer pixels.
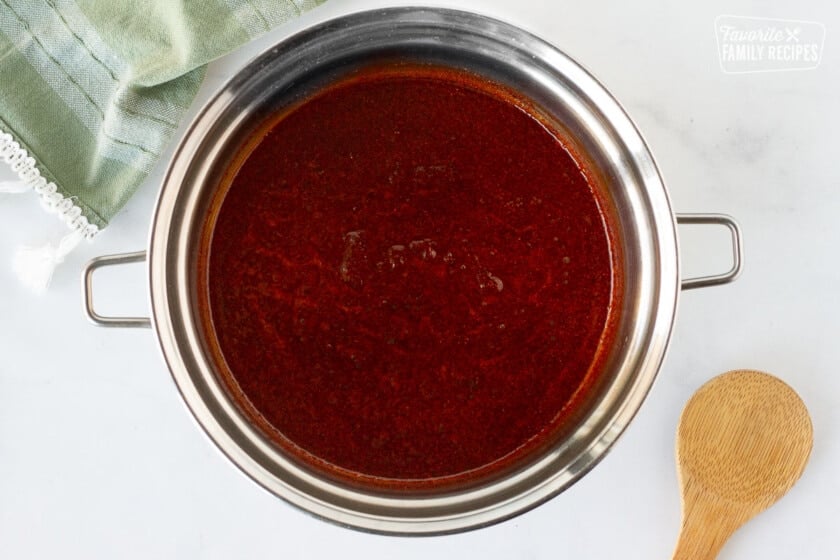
{"type": "Point", "coordinates": [100, 459]}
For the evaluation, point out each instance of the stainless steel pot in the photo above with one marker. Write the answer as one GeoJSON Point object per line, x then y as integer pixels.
{"type": "Point", "coordinates": [571, 97]}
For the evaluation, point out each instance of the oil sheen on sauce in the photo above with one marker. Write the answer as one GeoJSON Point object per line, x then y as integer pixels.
{"type": "Point", "coordinates": [411, 280]}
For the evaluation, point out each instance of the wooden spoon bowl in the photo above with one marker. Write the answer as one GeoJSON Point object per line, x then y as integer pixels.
{"type": "Point", "coordinates": [743, 441]}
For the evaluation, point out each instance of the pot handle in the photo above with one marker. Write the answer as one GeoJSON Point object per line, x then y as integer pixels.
{"type": "Point", "coordinates": [737, 249]}
{"type": "Point", "coordinates": [87, 291]}
{"type": "Point", "coordinates": [145, 322]}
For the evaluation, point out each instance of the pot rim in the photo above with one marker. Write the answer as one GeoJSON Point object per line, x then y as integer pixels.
{"type": "Point", "coordinates": [169, 286]}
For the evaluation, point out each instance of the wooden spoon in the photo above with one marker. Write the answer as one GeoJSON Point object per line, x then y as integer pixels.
{"type": "Point", "coordinates": [742, 442]}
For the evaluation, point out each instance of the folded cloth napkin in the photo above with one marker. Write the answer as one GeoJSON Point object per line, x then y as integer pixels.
{"type": "Point", "coordinates": [91, 92]}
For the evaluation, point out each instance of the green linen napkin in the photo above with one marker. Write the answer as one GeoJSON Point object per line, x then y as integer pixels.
{"type": "Point", "coordinates": [91, 92]}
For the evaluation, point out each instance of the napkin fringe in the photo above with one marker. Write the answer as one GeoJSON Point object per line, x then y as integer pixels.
{"type": "Point", "coordinates": [34, 266]}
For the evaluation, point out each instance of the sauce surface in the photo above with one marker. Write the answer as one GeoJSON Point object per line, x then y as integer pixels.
{"type": "Point", "coordinates": [410, 279]}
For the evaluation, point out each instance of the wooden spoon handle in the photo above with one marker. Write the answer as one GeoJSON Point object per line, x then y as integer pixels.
{"type": "Point", "coordinates": [698, 542]}
{"type": "Point", "coordinates": [708, 521]}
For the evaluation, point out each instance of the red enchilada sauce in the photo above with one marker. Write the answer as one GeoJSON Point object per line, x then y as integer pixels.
{"type": "Point", "coordinates": [410, 279]}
